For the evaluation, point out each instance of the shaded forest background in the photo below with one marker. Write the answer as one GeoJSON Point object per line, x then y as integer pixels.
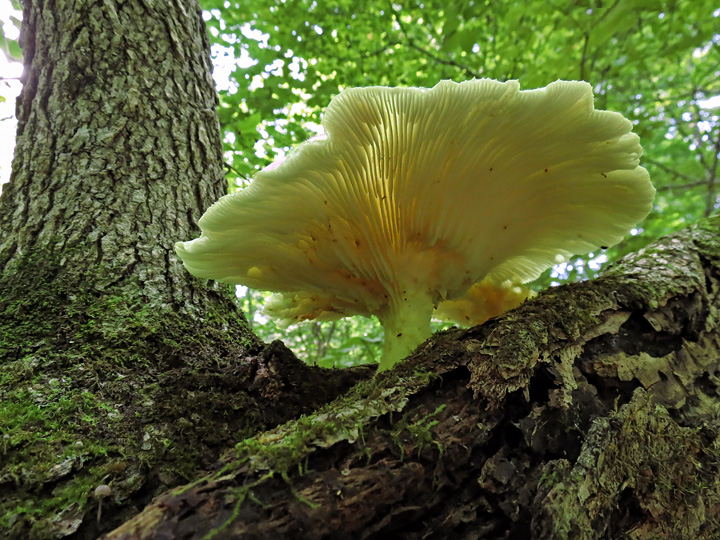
{"type": "Point", "coordinates": [278, 64]}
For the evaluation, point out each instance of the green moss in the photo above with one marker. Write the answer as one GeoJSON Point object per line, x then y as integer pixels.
{"type": "Point", "coordinates": [240, 495]}
{"type": "Point", "coordinates": [85, 385]}
{"type": "Point", "coordinates": [42, 427]}
{"type": "Point", "coordinates": [66, 306]}
{"type": "Point", "coordinates": [420, 432]}
{"type": "Point", "coordinates": [640, 451]}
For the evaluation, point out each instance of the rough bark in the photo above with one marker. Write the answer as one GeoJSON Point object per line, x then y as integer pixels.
{"type": "Point", "coordinates": [589, 412]}
{"type": "Point", "coordinates": [114, 129]}
{"type": "Point", "coordinates": [117, 367]}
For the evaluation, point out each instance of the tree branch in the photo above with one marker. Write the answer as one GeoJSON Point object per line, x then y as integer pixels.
{"type": "Point", "coordinates": [432, 56]}
{"type": "Point", "coordinates": [583, 59]}
{"type": "Point", "coordinates": [444, 61]}
{"type": "Point", "coordinates": [521, 428]}
{"type": "Point", "coordinates": [675, 173]}
{"type": "Point", "coordinates": [683, 186]}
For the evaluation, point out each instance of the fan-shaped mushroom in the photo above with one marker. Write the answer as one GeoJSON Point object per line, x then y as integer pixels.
{"type": "Point", "coordinates": [414, 195]}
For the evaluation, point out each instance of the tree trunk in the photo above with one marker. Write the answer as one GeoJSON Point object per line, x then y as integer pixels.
{"type": "Point", "coordinates": [589, 412]}
{"type": "Point", "coordinates": [116, 367]}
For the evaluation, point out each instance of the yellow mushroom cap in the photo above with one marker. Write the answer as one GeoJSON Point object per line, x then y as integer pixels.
{"type": "Point", "coordinates": [414, 195]}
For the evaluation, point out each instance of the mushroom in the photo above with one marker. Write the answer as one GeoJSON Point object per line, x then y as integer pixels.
{"type": "Point", "coordinates": [484, 300]}
{"type": "Point", "coordinates": [414, 195]}
{"type": "Point", "coordinates": [100, 493]}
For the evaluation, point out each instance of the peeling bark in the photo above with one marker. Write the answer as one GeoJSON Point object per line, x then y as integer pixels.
{"type": "Point", "coordinates": [588, 412]}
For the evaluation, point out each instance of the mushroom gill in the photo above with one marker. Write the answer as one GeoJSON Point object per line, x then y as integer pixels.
{"type": "Point", "coordinates": [415, 195]}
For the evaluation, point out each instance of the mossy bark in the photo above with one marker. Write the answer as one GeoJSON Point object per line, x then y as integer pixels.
{"type": "Point", "coordinates": [588, 412]}
{"type": "Point", "coordinates": [116, 366]}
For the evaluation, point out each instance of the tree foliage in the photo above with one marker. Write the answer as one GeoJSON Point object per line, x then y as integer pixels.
{"type": "Point", "coordinates": [656, 62]}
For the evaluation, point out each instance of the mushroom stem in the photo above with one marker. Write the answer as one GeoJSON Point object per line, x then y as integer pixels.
{"type": "Point", "coordinates": [406, 325]}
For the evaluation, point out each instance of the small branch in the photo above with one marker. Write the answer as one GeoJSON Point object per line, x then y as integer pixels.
{"type": "Point", "coordinates": [233, 169]}
{"type": "Point", "coordinates": [438, 59]}
{"type": "Point", "coordinates": [583, 59]}
{"type": "Point", "coordinates": [683, 186]}
{"type": "Point", "coordinates": [250, 315]}
{"type": "Point", "coordinates": [672, 171]}
{"type": "Point", "coordinates": [383, 48]}
{"type": "Point", "coordinates": [324, 344]}
{"type": "Point", "coordinates": [444, 61]}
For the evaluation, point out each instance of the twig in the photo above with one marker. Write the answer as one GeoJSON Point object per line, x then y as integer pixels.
{"type": "Point", "coordinates": [228, 166]}
{"type": "Point", "coordinates": [675, 173]}
{"type": "Point", "coordinates": [444, 61]}
{"type": "Point", "coordinates": [683, 186]}
{"type": "Point", "coordinates": [583, 59]}
{"type": "Point", "coordinates": [438, 59]}
{"type": "Point", "coordinates": [712, 196]}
